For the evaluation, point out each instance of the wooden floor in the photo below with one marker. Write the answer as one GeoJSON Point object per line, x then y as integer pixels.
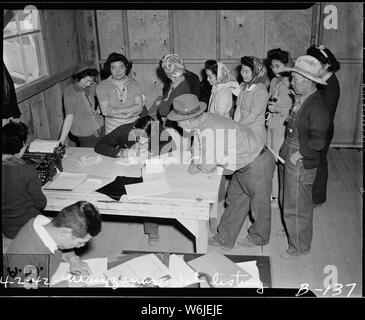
{"type": "Point", "coordinates": [336, 247]}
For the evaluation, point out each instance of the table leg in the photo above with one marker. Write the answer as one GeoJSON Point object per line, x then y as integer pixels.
{"type": "Point", "coordinates": [201, 240]}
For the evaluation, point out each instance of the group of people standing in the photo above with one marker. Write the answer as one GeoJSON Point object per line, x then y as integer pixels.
{"type": "Point", "coordinates": [283, 129]}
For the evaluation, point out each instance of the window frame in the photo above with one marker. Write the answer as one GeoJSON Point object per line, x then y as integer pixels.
{"type": "Point", "coordinates": [27, 87]}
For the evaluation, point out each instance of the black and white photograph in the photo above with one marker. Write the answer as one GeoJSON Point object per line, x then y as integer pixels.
{"type": "Point", "coordinates": [182, 150]}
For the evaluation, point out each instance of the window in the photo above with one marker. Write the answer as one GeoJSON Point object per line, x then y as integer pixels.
{"type": "Point", "coordinates": [23, 49]}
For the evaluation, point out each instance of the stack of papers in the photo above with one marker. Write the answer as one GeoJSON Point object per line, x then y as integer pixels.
{"type": "Point", "coordinates": [148, 188]}
{"type": "Point", "coordinates": [149, 271]}
{"type": "Point", "coordinates": [223, 272]}
{"type": "Point", "coordinates": [66, 181]}
{"type": "Point", "coordinates": [45, 146]}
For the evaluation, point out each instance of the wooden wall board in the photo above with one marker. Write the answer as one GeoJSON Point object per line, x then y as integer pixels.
{"type": "Point", "coordinates": [242, 33]}
{"type": "Point", "coordinates": [289, 30]}
{"type": "Point", "coordinates": [347, 41]}
{"type": "Point", "coordinates": [195, 33]}
{"type": "Point", "coordinates": [110, 32]}
{"type": "Point", "coordinates": [39, 115]}
{"type": "Point", "coordinates": [54, 110]}
{"type": "Point", "coordinates": [148, 33]}
{"type": "Point", "coordinates": [349, 78]}
{"type": "Point", "coordinates": [27, 118]}
{"type": "Point", "coordinates": [146, 76]}
{"type": "Point", "coordinates": [86, 39]}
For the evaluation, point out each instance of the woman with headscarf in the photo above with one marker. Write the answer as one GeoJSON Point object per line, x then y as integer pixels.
{"type": "Point", "coordinates": [253, 98]}
{"type": "Point", "coordinates": [174, 69]}
{"type": "Point", "coordinates": [330, 95]}
{"type": "Point", "coordinates": [280, 102]}
{"type": "Point", "coordinates": [223, 84]}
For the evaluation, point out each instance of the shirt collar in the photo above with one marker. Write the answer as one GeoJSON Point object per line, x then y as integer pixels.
{"type": "Point", "coordinates": [38, 224]}
{"type": "Point", "coordinates": [327, 76]}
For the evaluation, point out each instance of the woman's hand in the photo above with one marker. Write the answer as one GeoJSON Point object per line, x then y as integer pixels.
{"type": "Point", "coordinates": [207, 168]}
{"type": "Point", "coordinates": [193, 168]}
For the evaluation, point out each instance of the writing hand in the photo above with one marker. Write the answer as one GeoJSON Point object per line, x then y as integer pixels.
{"type": "Point", "coordinates": [193, 168]}
{"type": "Point", "coordinates": [80, 267]}
{"type": "Point", "coordinates": [207, 168]}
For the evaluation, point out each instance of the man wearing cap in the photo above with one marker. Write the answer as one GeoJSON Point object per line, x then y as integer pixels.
{"type": "Point", "coordinates": [305, 138]}
{"type": "Point", "coordinates": [220, 141]}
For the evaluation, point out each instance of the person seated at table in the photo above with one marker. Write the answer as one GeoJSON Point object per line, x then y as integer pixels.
{"type": "Point", "coordinates": [83, 119]}
{"type": "Point", "coordinates": [244, 155]}
{"type": "Point", "coordinates": [141, 137]}
{"type": "Point", "coordinates": [73, 227]}
{"type": "Point", "coordinates": [120, 97]}
{"type": "Point", "coordinates": [22, 196]}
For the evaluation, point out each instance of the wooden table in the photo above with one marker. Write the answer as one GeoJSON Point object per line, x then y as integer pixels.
{"type": "Point", "coordinates": [193, 200]}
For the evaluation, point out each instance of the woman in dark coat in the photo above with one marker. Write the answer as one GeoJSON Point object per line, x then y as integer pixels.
{"type": "Point", "coordinates": [330, 95]}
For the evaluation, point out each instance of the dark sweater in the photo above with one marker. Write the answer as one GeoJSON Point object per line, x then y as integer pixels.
{"type": "Point", "coordinates": [28, 248]}
{"type": "Point", "coordinates": [22, 195]}
{"type": "Point", "coordinates": [312, 129]}
{"type": "Point", "coordinates": [116, 140]}
{"type": "Point", "coordinates": [166, 104]}
{"type": "Point", "coordinates": [330, 95]}
{"type": "Point", "coordinates": [193, 81]}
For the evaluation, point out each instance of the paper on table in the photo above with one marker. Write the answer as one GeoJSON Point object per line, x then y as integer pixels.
{"type": "Point", "coordinates": [98, 267]}
{"type": "Point", "coordinates": [46, 146]}
{"type": "Point", "coordinates": [222, 271]}
{"type": "Point", "coordinates": [66, 181]}
{"type": "Point", "coordinates": [148, 188]}
{"type": "Point", "coordinates": [251, 268]}
{"type": "Point", "coordinates": [146, 269]}
{"type": "Point", "coordinates": [182, 274]}
{"type": "Point", "coordinates": [89, 185]}
{"type": "Point", "coordinates": [90, 160]}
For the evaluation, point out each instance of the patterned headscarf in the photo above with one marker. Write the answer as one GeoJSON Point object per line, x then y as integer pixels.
{"type": "Point", "coordinates": [259, 73]}
{"type": "Point", "coordinates": [173, 65]}
{"type": "Point", "coordinates": [226, 78]}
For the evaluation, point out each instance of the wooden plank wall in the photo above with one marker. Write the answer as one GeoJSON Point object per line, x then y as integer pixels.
{"type": "Point", "coordinates": [227, 35]}
{"type": "Point", "coordinates": [145, 36]}
{"type": "Point", "coordinates": [68, 40]}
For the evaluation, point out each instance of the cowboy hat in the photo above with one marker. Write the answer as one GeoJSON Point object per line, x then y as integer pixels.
{"type": "Point", "coordinates": [308, 67]}
{"type": "Point", "coordinates": [186, 106]}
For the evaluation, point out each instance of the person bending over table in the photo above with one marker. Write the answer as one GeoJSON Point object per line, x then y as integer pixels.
{"type": "Point", "coordinates": [244, 155]}
{"type": "Point", "coordinates": [22, 196]}
{"type": "Point", "coordinates": [120, 96]}
{"type": "Point", "coordinates": [82, 118]}
{"type": "Point", "coordinates": [73, 227]}
{"type": "Point", "coordinates": [145, 133]}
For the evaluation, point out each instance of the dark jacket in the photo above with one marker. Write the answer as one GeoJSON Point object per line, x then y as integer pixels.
{"type": "Point", "coordinates": [116, 140]}
{"type": "Point", "coordinates": [166, 104]}
{"type": "Point", "coordinates": [330, 95]}
{"type": "Point", "coordinates": [194, 82]}
{"type": "Point", "coordinates": [22, 196]}
{"type": "Point", "coordinates": [312, 129]}
{"type": "Point", "coordinates": [10, 106]}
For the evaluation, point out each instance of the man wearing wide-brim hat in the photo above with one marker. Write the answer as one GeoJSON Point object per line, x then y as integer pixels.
{"type": "Point", "coordinates": [220, 141]}
{"type": "Point", "coordinates": [305, 137]}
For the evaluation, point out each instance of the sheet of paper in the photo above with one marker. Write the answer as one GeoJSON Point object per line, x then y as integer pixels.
{"type": "Point", "coordinates": [149, 188]}
{"type": "Point", "coordinates": [86, 160]}
{"type": "Point", "coordinates": [223, 272]}
{"type": "Point", "coordinates": [46, 146]}
{"type": "Point", "coordinates": [89, 185]}
{"type": "Point", "coordinates": [143, 270]}
{"type": "Point", "coordinates": [182, 274]}
{"type": "Point", "coordinates": [66, 181]}
{"type": "Point", "coordinates": [251, 268]}
{"type": "Point", "coordinates": [97, 278]}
